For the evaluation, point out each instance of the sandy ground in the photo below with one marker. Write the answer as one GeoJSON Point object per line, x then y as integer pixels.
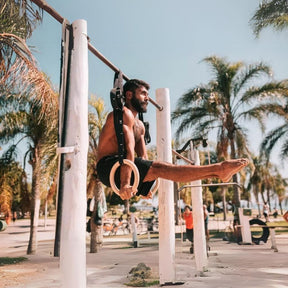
{"type": "Point", "coordinates": [229, 264]}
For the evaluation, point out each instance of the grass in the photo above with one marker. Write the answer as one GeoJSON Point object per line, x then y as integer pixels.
{"type": "Point", "coordinates": [278, 223]}
{"type": "Point", "coordinates": [141, 276]}
{"type": "Point", "coordinates": [142, 283]}
{"type": "Point", "coordinates": [11, 260]}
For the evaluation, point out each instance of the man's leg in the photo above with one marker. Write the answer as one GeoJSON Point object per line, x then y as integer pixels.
{"type": "Point", "coordinates": [186, 173]}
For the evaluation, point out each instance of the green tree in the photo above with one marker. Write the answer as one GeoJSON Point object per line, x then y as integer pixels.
{"type": "Point", "coordinates": [226, 104]}
{"type": "Point", "coordinates": [23, 120]}
{"type": "Point", "coordinates": [255, 181]}
{"type": "Point", "coordinates": [280, 185]}
{"type": "Point", "coordinates": [12, 184]}
{"type": "Point", "coordinates": [17, 21]}
{"type": "Point", "coordinates": [28, 103]}
{"type": "Point", "coordinates": [270, 13]}
{"type": "Point", "coordinates": [19, 17]}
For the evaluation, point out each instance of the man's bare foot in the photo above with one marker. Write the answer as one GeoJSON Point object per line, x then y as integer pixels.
{"type": "Point", "coordinates": [231, 167]}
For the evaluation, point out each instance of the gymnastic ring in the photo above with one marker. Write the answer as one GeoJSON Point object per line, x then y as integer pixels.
{"type": "Point", "coordinates": [156, 186]}
{"type": "Point", "coordinates": [134, 169]}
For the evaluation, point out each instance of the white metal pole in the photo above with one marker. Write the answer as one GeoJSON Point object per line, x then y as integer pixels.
{"type": "Point", "coordinates": [73, 234]}
{"type": "Point", "coordinates": [166, 202]}
{"type": "Point", "coordinates": [200, 250]}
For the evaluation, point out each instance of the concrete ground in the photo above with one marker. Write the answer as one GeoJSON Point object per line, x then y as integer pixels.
{"type": "Point", "coordinates": [229, 264]}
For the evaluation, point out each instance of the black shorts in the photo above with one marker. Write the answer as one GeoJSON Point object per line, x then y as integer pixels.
{"type": "Point", "coordinates": [105, 165]}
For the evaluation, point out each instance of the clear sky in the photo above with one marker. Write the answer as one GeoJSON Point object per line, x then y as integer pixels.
{"type": "Point", "coordinates": [163, 43]}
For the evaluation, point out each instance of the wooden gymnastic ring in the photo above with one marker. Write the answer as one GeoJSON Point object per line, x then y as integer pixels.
{"type": "Point", "coordinates": [156, 186]}
{"type": "Point", "coordinates": [112, 175]}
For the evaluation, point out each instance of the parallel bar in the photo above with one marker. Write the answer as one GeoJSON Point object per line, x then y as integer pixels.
{"type": "Point", "coordinates": [210, 185]}
{"type": "Point", "coordinates": [43, 5]}
{"type": "Point", "coordinates": [182, 157]}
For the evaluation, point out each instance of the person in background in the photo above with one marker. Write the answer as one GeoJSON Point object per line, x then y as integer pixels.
{"type": "Point", "coordinates": [206, 219]}
{"type": "Point", "coordinates": [275, 213]}
{"type": "Point", "coordinates": [188, 217]}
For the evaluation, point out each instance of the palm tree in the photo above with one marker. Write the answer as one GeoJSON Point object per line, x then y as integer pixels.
{"type": "Point", "coordinates": [17, 21]}
{"type": "Point", "coordinates": [28, 103]}
{"type": "Point", "coordinates": [270, 13]}
{"type": "Point", "coordinates": [225, 104]}
{"type": "Point", "coordinates": [279, 186]}
{"type": "Point", "coordinates": [96, 120]}
{"type": "Point", "coordinates": [24, 120]}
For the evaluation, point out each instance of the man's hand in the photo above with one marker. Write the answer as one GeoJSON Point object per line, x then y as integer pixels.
{"type": "Point", "coordinates": [126, 192]}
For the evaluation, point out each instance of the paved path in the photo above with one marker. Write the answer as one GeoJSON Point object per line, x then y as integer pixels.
{"type": "Point", "coordinates": [229, 265]}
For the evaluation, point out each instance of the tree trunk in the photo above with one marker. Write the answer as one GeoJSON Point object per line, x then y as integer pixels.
{"type": "Point", "coordinates": [236, 194]}
{"type": "Point", "coordinates": [281, 209]}
{"type": "Point", "coordinates": [35, 203]}
{"type": "Point", "coordinates": [96, 239]}
{"type": "Point", "coordinates": [268, 198]}
{"type": "Point", "coordinates": [256, 194]}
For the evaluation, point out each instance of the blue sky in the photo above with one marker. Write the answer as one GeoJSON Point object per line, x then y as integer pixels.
{"type": "Point", "coordinates": [163, 43]}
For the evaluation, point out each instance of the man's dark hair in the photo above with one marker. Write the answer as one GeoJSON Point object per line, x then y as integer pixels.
{"type": "Point", "coordinates": [133, 84]}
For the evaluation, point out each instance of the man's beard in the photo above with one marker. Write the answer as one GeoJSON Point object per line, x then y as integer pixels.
{"type": "Point", "coordinates": [137, 105]}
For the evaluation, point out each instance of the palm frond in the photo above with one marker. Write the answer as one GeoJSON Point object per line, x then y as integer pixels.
{"type": "Point", "coordinates": [271, 91]}
{"type": "Point", "coordinates": [19, 17]}
{"type": "Point", "coordinates": [245, 76]}
{"type": "Point", "coordinates": [272, 139]}
{"type": "Point", "coordinates": [284, 149]}
{"type": "Point", "coordinates": [24, 74]}
{"type": "Point", "coordinates": [270, 13]}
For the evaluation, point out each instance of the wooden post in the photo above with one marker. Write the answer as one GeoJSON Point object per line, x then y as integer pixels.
{"type": "Point", "coordinates": [73, 232]}
{"type": "Point", "coordinates": [200, 250]}
{"type": "Point", "coordinates": [165, 194]}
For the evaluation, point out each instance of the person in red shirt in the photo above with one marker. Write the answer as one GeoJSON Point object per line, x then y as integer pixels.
{"type": "Point", "coordinates": [285, 216]}
{"type": "Point", "coordinates": [188, 217]}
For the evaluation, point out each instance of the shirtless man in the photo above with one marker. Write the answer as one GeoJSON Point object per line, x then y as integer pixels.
{"type": "Point", "coordinates": [136, 100]}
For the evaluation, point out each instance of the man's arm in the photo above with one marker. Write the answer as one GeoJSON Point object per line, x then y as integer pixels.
{"type": "Point", "coordinates": [140, 147]}
{"type": "Point", "coordinates": [125, 172]}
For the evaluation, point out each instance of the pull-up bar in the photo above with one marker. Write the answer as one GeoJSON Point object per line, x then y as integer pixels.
{"type": "Point", "coordinates": [43, 5]}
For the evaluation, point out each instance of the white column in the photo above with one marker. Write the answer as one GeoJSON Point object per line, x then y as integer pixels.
{"type": "Point", "coordinates": [73, 234]}
{"type": "Point", "coordinates": [165, 195]}
{"type": "Point", "coordinates": [245, 227]}
{"type": "Point", "coordinates": [200, 250]}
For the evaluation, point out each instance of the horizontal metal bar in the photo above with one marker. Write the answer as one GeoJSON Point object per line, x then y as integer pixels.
{"type": "Point", "coordinates": [210, 185]}
{"type": "Point", "coordinates": [43, 5]}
